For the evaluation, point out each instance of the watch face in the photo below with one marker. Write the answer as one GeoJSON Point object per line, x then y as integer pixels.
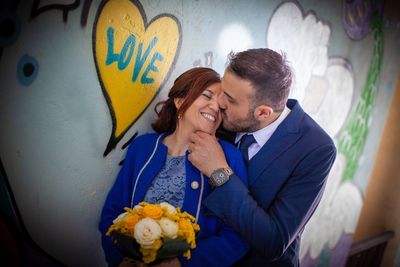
{"type": "Point", "coordinates": [219, 177]}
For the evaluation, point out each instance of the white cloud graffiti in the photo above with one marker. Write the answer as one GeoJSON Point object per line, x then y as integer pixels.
{"type": "Point", "coordinates": [335, 214]}
{"type": "Point", "coordinates": [304, 40]}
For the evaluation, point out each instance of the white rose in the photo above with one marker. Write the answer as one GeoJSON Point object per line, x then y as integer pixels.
{"type": "Point", "coordinates": [169, 228]}
{"type": "Point", "coordinates": [120, 217]}
{"type": "Point", "coordinates": [147, 231]}
{"type": "Point", "coordinates": [171, 209]}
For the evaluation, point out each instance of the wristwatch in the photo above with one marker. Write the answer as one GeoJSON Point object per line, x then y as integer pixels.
{"type": "Point", "coordinates": [220, 176]}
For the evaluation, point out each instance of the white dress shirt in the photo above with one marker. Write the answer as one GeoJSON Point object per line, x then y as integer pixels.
{"type": "Point", "coordinates": [262, 136]}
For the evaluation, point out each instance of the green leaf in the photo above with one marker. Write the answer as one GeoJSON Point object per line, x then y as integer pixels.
{"type": "Point", "coordinates": [130, 248]}
{"type": "Point", "coordinates": [172, 248]}
{"type": "Point", "coordinates": [127, 245]}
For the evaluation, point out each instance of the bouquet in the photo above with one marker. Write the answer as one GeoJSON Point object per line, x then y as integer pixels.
{"type": "Point", "coordinates": [151, 232]}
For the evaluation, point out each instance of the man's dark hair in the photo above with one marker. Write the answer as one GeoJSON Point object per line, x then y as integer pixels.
{"type": "Point", "coordinates": [269, 73]}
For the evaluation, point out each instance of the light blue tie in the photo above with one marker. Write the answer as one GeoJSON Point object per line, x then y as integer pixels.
{"type": "Point", "coordinates": [245, 142]}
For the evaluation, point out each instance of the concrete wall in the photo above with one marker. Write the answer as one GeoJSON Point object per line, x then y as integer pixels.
{"type": "Point", "coordinates": [80, 79]}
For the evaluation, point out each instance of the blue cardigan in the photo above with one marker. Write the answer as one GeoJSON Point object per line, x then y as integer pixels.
{"type": "Point", "coordinates": [217, 244]}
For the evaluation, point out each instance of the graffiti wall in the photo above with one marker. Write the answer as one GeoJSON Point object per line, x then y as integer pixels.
{"type": "Point", "coordinates": [80, 79]}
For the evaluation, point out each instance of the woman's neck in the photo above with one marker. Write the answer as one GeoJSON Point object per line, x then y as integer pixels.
{"type": "Point", "coordinates": [177, 142]}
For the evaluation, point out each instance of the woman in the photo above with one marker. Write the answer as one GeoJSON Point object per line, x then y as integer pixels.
{"type": "Point", "coordinates": [156, 169]}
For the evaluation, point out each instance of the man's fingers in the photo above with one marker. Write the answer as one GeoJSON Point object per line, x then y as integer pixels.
{"type": "Point", "coordinates": [190, 147]}
{"type": "Point", "coordinates": [193, 137]}
{"type": "Point", "coordinates": [193, 147]}
{"type": "Point", "coordinates": [199, 135]}
{"type": "Point", "coordinates": [202, 134]}
{"type": "Point", "coordinates": [191, 157]}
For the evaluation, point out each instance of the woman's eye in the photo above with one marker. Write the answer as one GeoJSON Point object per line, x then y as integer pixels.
{"type": "Point", "coordinates": [209, 96]}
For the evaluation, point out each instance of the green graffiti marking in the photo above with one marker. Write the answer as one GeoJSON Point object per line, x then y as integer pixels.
{"type": "Point", "coordinates": [352, 139]}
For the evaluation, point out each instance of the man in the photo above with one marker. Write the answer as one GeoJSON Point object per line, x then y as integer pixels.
{"type": "Point", "coordinates": [289, 157]}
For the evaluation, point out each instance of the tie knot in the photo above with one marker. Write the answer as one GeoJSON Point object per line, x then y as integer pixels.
{"type": "Point", "coordinates": [246, 141]}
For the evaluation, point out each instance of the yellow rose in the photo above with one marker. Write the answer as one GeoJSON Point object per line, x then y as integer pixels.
{"type": "Point", "coordinates": [188, 216]}
{"type": "Point", "coordinates": [169, 228]}
{"type": "Point", "coordinates": [186, 231]}
{"type": "Point", "coordinates": [147, 231]}
{"type": "Point", "coordinates": [131, 220]}
{"type": "Point", "coordinates": [185, 226]}
{"type": "Point", "coordinates": [152, 211]}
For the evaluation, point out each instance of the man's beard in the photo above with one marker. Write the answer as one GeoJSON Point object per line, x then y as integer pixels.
{"type": "Point", "coordinates": [248, 124]}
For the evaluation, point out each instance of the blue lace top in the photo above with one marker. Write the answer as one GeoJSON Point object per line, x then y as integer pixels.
{"type": "Point", "coordinates": [169, 184]}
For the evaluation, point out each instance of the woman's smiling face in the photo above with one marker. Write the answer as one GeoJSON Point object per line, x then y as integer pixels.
{"type": "Point", "coordinates": [204, 114]}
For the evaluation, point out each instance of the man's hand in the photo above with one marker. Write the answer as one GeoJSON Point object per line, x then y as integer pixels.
{"type": "Point", "coordinates": [205, 153]}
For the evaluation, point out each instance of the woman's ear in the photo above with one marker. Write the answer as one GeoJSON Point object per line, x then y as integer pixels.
{"type": "Point", "coordinates": [178, 102]}
{"type": "Point", "coordinates": [263, 113]}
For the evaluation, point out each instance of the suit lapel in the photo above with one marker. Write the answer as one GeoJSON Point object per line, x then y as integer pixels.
{"type": "Point", "coordinates": [287, 133]}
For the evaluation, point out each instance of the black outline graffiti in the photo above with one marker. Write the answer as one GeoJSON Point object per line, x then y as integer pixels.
{"type": "Point", "coordinates": [112, 143]}
{"type": "Point", "coordinates": [129, 141]}
{"type": "Point", "coordinates": [12, 10]}
{"type": "Point", "coordinates": [126, 145]}
{"type": "Point", "coordinates": [85, 12]}
{"type": "Point", "coordinates": [36, 10]}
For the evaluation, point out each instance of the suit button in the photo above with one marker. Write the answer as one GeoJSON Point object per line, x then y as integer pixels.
{"type": "Point", "coordinates": [194, 185]}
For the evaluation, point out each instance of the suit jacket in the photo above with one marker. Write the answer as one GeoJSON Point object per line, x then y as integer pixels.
{"type": "Point", "coordinates": [217, 244]}
{"type": "Point", "coordinates": [286, 181]}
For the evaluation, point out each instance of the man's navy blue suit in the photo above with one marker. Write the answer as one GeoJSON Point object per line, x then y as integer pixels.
{"type": "Point", "coordinates": [286, 181]}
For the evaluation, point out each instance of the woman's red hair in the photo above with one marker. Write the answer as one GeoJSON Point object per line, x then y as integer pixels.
{"type": "Point", "coordinates": [188, 86]}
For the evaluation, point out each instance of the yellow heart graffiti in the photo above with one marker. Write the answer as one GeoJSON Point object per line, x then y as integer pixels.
{"type": "Point", "coordinates": [133, 59]}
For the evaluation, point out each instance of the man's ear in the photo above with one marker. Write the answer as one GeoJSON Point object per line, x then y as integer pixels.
{"type": "Point", "coordinates": [263, 113]}
{"type": "Point", "coordinates": [178, 102]}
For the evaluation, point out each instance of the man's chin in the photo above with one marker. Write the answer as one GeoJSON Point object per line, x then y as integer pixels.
{"type": "Point", "coordinates": [228, 127]}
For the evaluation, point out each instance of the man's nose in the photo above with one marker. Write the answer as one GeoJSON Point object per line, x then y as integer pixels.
{"type": "Point", "coordinates": [222, 101]}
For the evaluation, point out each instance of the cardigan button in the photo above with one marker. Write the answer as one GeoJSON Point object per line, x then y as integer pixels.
{"type": "Point", "coordinates": [194, 185]}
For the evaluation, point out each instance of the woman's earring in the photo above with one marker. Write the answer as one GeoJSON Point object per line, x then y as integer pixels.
{"type": "Point", "coordinates": [179, 116]}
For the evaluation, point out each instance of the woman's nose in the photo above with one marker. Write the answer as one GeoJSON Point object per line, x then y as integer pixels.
{"type": "Point", "coordinates": [214, 104]}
